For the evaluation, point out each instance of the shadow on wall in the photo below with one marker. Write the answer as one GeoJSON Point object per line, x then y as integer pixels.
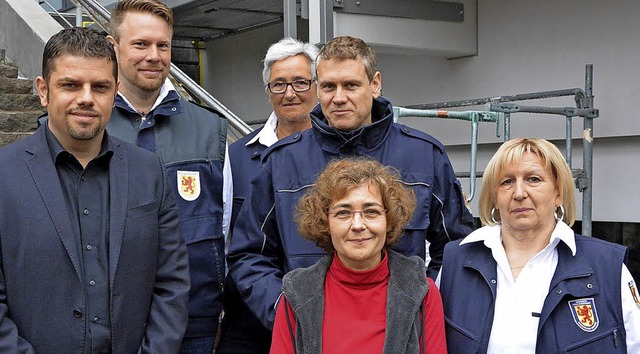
{"type": "Point", "coordinates": [622, 233]}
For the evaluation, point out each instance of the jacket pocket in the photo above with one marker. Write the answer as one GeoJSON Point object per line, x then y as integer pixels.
{"type": "Point", "coordinates": [420, 219]}
{"type": "Point", "coordinates": [611, 341]}
{"type": "Point", "coordinates": [413, 242]}
{"type": "Point", "coordinates": [206, 266]}
{"type": "Point", "coordinates": [141, 210]}
{"type": "Point", "coordinates": [461, 340]}
{"type": "Point", "coordinates": [295, 247]}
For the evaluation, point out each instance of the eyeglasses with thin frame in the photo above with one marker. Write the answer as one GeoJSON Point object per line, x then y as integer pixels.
{"type": "Point", "coordinates": [278, 87]}
{"type": "Point", "coordinates": [368, 214]}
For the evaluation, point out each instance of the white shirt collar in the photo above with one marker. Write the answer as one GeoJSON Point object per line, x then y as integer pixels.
{"type": "Point", "coordinates": [491, 236]}
{"type": "Point", "coordinates": [166, 87]}
{"type": "Point", "coordinates": [267, 135]}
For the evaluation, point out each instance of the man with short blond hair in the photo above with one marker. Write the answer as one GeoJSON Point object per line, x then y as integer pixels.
{"type": "Point", "coordinates": [190, 139]}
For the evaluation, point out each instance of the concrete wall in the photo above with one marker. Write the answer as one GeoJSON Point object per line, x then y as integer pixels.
{"type": "Point", "coordinates": [523, 46]}
{"type": "Point", "coordinates": [24, 29]}
{"type": "Point", "coordinates": [232, 68]}
{"type": "Point", "coordinates": [402, 36]}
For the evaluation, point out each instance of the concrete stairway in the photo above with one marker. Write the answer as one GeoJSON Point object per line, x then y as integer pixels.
{"type": "Point", "coordinates": [19, 107]}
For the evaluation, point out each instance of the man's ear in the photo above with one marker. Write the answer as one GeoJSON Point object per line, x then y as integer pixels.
{"type": "Point", "coordinates": [112, 40]}
{"type": "Point", "coordinates": [43, 91]}
{"type": "Point", "coordinates": [377, 84]}
{"type": "Point", "coordinates": [114, 43]}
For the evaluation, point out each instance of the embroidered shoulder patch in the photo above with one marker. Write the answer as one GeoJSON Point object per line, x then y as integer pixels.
{"type": "Point", "coordinates": [189, 185]}
{"type": "Point", "coordinates": [634, 293]}
{"type": "Point", "coordinates": [585, 314]}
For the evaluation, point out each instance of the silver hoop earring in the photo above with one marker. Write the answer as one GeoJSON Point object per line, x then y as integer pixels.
{"type": "Point", "coordinates": [493, 218]}
{"type": "Point", "coordinates": [555, 213]}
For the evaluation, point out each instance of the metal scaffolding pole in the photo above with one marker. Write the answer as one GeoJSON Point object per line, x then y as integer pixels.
{"type": "Point", "coordinates": [587, 156]}
{"type": "Point", "coordinates": [290, 18]}
{"type": "Point", "coordinates": [502, 104]}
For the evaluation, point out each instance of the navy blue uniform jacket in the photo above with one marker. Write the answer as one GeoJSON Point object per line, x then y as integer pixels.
{"type": "Point", "coordinates": [266, 243]}
{"type": "Point", "coordinates": [42, 300]}
{"type": "Point", "coordinates": [188, 138]}
{"type": "Point", "coordinates": [468, 287]}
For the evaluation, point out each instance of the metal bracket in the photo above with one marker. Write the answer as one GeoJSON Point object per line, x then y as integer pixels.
{"type": "Point", "coordinates": [475, 117]}
{"type": "Point", "coordinates": [415, 9]}
{"type": "Point", "coordinates": [564, 111]}
{"type": "Point", "coordinates": [581, 180]}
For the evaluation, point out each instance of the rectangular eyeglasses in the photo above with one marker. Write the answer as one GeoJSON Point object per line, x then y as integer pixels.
{"type": "Point", "coordinates": [368, 214]}
{"type": "Point", "coordinates": [281, 86]}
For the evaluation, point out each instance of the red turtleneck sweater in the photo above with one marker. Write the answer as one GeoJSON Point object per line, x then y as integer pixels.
{"type": "Point", "coordinates": [354, 319]}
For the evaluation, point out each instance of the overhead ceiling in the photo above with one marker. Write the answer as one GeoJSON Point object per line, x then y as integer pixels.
{"type": "Point", "coordinates": [210, 19]}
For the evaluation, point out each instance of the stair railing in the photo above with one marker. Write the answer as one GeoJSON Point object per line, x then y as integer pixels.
{"type": "Point", "coordinates": [40, 2]}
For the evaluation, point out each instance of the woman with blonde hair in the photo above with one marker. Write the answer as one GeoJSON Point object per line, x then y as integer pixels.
{"type": "Point", "coordinates": [525, 283]}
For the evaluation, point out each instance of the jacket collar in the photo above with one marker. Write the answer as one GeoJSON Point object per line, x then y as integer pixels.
{"type": "Point", "coordinates": [491, 236]}
{"type": "Point", "coordinates": [56, 149]}
{"type": "Point", "coordinates": [359, 141]}
{"type": "Point", "coordinates": [267, 135]}
{"type": "Point", "coordinates": [573, 276]}
{"type": "Point", "coordinates": [167, 104]}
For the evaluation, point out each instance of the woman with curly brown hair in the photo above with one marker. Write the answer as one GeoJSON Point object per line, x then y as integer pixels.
{"type": "Point", "coordinates": [362, 297]}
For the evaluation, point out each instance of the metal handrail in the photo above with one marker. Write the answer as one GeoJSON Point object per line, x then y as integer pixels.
{"type": "Point", "coordinates": [101, 15]}
{"type": "Point", "coordinates": [475, 117]}
{"type": "Point", "coordinates": [40, 2]}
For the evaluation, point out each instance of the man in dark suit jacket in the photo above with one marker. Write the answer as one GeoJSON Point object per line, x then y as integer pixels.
{"type": "Point", "coordinates": [92, 260]}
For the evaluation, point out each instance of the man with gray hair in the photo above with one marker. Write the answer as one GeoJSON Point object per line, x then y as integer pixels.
{"type": "Point", "coordinates": [288, 76]}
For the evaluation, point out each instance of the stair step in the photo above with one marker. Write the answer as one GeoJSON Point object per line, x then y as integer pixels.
{"type": "Point", "coordinates": [19, 102]}
{"type": "Point", "coordinates": [19, 107]}
{"type": "Point", "coordinates": [8, 70]}
{"type": "Point", "coordinates": [8, 85]}
{"type": "Point", "coordinates": [8, 138]}
{"type": "Point", "coordinates": [20, 122]}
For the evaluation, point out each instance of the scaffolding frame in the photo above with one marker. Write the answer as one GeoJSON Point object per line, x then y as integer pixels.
{"type": "Point", "coordinates": [503, 105]}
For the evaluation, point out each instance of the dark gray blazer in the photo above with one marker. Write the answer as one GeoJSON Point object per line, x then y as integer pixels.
{"type": "Point", "coordinates": [42, 301]}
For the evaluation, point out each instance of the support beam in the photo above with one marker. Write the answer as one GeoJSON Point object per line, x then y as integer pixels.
{"type": "Point", "coordinates": [320, 21]}
{"type": "Point", "coordinates": [290, 18]}
{"type": "Point", "coordinates": [415, 9]}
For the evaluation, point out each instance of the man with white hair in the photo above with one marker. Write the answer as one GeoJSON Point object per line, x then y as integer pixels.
{"type": "Point", "coordinates": [288, 76]}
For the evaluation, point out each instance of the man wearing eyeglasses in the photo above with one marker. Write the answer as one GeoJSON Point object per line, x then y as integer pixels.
{"type": "Point", "coordinates": [288, 75]}
{"type": "Point", "coordinates": [353, 119]}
